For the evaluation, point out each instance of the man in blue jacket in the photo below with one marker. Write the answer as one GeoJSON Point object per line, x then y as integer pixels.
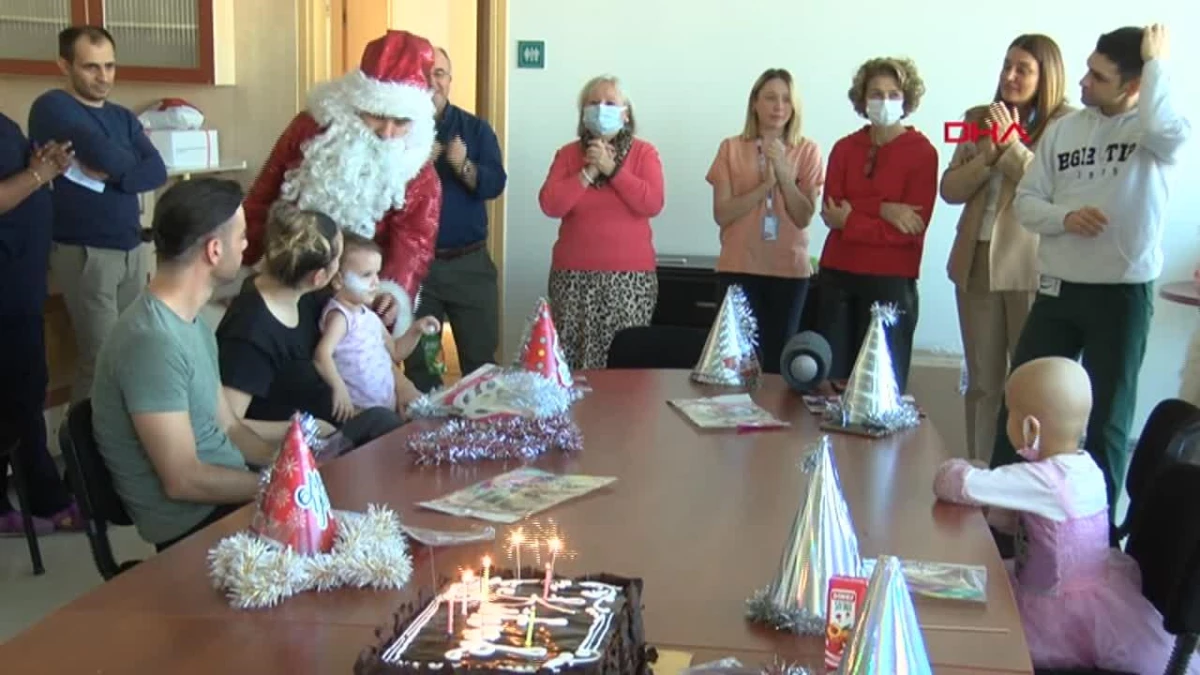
{"type": "Point", "coordinates": [95, 259]}
{"type": "Point", "coordinates": [461, 286]}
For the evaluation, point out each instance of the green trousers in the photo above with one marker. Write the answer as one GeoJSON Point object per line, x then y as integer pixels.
{"type": "Point", "coordinates": [1107, 326]}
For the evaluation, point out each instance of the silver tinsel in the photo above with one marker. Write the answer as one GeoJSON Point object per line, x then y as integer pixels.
{"type": "Point", "coordinates": [872, 398]}
{"type": "Point", "coordinates": [821, 544]}
{"type": "Point", "coordinates": [522, 390]}
{"type": "Point", "coordinates": [496, 413]}
{"type": "Point", "coordinates": [369, 552]}
{"type": "Point", "coordinates": [886, 639]}
{"type": "Point", "coordinates": [730, 355]}
{"type": "Point", "coordinates": [519, 438]}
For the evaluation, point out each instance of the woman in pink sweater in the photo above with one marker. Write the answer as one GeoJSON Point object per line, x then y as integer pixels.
{"type": "Point", "coordinates": [605, 186]}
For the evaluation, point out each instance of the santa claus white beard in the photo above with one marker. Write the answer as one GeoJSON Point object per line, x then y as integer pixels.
{"type": "Point", "coordinates": [353, 176]}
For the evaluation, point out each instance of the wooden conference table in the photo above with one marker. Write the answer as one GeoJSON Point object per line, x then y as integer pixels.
{"type": "Point", "coordinates": [701, 516]}
{"type": "Point", "coordinates": [1182, 292]}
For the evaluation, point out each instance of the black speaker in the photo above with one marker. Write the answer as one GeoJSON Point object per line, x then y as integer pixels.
{"type": "Point", "coordinates": [805, 361]}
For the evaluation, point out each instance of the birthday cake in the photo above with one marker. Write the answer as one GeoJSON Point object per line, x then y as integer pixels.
{"type": "Point", "coordinates": [590, 624]}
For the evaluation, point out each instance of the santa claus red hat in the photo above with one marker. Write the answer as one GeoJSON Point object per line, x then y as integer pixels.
{"type": "Point", "coordinates": [392, 79]}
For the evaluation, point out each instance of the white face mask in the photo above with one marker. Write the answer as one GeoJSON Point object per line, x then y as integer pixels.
{"type": "Point", "coordinates": [885, 112]}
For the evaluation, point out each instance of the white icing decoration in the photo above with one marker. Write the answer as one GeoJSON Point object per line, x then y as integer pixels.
{"type": "Point", "coordinates": [484, 626]}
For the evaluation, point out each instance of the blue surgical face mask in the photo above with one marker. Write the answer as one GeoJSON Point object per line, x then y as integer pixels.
{"type": "Point", "coordinates": [604, 119]}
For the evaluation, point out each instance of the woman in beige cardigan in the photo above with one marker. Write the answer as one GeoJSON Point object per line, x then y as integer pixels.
{"type": "Point", "coordinates": [993, 262]}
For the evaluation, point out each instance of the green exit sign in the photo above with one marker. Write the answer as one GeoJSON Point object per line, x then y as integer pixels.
{"type": "Point", "coordinates": [531, 54]}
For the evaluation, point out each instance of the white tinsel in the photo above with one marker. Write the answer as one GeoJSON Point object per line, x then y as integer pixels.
{"type": "Point", "coordinates": [889, 313]}
{"type": "Point", "coordinates": [529, 393]}
{"type": "Point", "coordinates": [369, 551]}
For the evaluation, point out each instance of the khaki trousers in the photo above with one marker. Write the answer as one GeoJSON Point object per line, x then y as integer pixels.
{"type": "Point", "coordinates": [991, 323]}
{"type": "Point", "coordinates": [97, 285]}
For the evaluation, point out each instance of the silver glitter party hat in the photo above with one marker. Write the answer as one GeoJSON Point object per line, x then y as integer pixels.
{"type": "Point", "coordinates": [886, 639]}
{"type": "Point", "coordinates": [729, 357]}
{"type": "Point", "coordinates": [821, 545]}
{"type": "Point", "coordinates": [872, 397]}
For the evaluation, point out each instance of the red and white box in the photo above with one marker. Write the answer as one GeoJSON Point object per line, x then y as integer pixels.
{"type": "Point", "coordinates": [187, 148]}
{"type": "Point", "coordinates": [845, 601]}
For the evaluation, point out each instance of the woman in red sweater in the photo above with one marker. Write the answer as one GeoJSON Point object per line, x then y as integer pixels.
{"type": "Point", "coordinates": [605, 186]}
{"type": "Point", "coordinates": [879, 193]}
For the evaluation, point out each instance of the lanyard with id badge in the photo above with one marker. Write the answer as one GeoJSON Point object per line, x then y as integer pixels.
{"type": "Point", "coordinates": [770, 223]}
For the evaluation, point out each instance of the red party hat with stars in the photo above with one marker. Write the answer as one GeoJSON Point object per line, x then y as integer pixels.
{"type": "Point", "coordinates": [294, 509]}
{"type": "Point", "coordinates": [540, 350]}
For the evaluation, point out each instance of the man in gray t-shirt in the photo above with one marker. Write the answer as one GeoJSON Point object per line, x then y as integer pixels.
{"type": "Point", "coordinates": [177, 454]}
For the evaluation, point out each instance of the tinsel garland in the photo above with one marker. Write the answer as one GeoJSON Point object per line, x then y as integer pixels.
{"type": "Point", "coordinates": [369, 551]}
{"type": "Point", "coordinates": [519, 438]}
{"type": "Point", "coordinates": [514, 414]}
{"type": "Point", "coordinates": [530, 392]}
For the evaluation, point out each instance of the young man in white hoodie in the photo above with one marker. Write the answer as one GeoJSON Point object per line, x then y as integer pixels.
{"type": "Point", "coordinates": [1097, 193]}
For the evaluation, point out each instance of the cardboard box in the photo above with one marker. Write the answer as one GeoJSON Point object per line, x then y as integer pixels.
{"type": "Point", "coordinates": [187, 149]}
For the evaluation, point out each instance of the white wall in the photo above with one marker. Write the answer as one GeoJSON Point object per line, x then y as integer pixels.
{"type": "Point", "coordinates": [688, 66]}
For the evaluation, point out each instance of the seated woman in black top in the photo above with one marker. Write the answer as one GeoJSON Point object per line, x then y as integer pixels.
{"type": "Point", "coordinates": [271, 330]}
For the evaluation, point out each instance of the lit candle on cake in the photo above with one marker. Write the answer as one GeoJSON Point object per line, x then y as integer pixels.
{"type": "Point", "coordinates": [555, 545]}
{"type": "Point", "coordinates": [468, 580]}
{"type": "Point", "coordinates": [517, 538]}
{"type": "Point", "coordinates": [484, 589]}
{"type": "Point", "coordinates": [450, 617]}
{"type": "Point", "coordinates": [532, 620]}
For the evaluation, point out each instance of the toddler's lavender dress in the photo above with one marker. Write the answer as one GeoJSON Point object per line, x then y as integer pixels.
{"type": "Point", "coordinates": [362, 357]}
{"type": "Point", "coordinates": [1080, 600]}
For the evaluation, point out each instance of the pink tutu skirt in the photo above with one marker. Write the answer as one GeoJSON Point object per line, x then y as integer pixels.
{"type": "Point", "coordinates": [1103, 622]}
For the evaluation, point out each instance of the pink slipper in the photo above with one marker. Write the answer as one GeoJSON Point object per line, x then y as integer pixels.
{"type": "Point", "coordinates": [69, 519]}
{"type": "Point", "coordinates": [11, 525]}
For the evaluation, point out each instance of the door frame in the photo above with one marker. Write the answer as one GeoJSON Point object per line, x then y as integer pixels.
{"type": "Point", "coordinates": [317, 46]}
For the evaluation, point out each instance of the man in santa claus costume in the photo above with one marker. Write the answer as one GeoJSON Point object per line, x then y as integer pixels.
{"type": "Point", "coordinates": [360, 154]}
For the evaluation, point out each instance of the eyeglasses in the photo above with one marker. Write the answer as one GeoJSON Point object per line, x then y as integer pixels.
{"type": "Point", "coordinates": [869, 169]}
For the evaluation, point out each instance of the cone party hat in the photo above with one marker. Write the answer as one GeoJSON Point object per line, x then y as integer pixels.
{"type": "Point", "coordinates": [540, 350]}
{"type": "Point", "coordinates": [820, 545]}
{"type": "Point", "coordinates": [872, 396]}
{"type": "Point", "coordinates": [294, 509]}
{"type": "Point", "coordinates": [886, 637]}
{"type": "Point", "coordinates": [730, 357]}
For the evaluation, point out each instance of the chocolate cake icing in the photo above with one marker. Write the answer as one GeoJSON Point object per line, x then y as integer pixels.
{"type": "Point", "coordinates": [590, 624]}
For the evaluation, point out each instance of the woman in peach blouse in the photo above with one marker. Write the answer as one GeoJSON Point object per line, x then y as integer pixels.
{"type": "Point", "coordinates": [765, 186]}
{"type": "Point", "coordinates": [605, 185]}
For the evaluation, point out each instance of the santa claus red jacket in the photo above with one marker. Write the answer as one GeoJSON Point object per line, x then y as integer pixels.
{"type": "Point", "coordinates": [329, 160]}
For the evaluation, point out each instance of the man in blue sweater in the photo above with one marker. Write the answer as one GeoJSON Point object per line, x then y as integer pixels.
{"type": "Point", "coordinates": [95, 260]}
{"type": "Point", "coordinates": [1097, 193]}
{"type": "Point", "coordinates": [461, 286]}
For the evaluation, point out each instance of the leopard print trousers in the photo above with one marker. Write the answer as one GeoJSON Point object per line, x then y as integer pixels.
{"type": "Point", "coordinates": [589, 308]}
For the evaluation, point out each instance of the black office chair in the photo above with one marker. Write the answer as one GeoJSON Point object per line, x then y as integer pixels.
{"type": "Point", "coordinates": [1162, 429]}
{"type": "Point", "coordinates": [1165, 542]}
{"type": "Point", "coordinates": [669, 347]}
{"type": "Point", "coordinates": [21, 486]}
{"type": "Point", "coordinates": [89, 477]}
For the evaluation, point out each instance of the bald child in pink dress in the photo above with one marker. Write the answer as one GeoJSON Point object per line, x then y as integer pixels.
{"type": "Point", "coordinates": [1080, 600]}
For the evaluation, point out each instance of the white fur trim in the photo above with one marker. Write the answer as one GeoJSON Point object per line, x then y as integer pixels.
{"type": "Point", "coordinates": [360, 93]}
{"type": "Point", "coordinates": [404, 306]}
